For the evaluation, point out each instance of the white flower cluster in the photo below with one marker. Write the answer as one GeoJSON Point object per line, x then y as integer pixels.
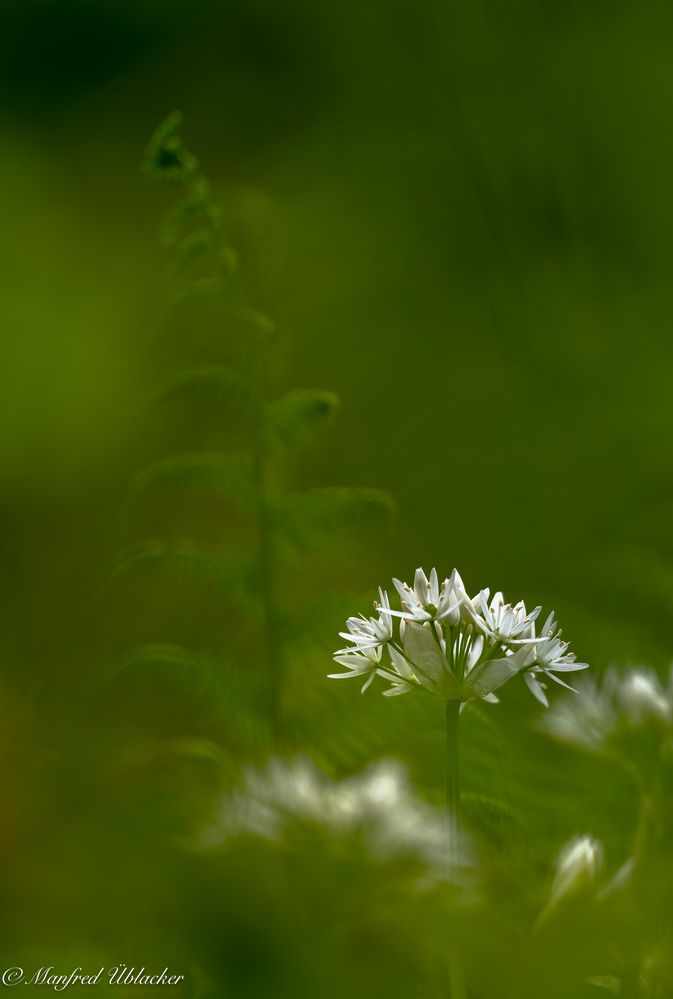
{"type": "Point", "coordinates": [626, 704]}
{"type": "Point", "coordinates": [454, 646]}
{"type": "Point", "coordinates": [378, 807]}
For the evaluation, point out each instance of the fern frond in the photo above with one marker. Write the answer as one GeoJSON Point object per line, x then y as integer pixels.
{"type": "Point", "coordinates": [299, 411]}
{"type": "Point", "coordinates": [261, 326]}
{"type": "Point", "coordinates": [166, 156]}
{"type": "Point", "coordinates": [217, 383]}
{"type": "Point", "coordinates": [228, 474]}
{"type": "Point", "coordinates": [230, 577]}
{"type": "Point", "coordinates": [196, 211]}
{"type": "Point", "coordinates": [185, 665]}
{"type": "Point", "coordinates": [307, 516]}
{"type": "Point", "coordinates": [214, 292]}
{"type": "Point", "coordinates": [199, 243]}
{"type": "Point", "coordinates": [160, 552]}
{"type": "Point", "coordinates": [193, 246]}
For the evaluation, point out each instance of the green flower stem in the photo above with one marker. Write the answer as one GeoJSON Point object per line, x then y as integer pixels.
{"type": "Point", "coordinates": [456, 979]}
{"type": "Point", "coordinates": [647, 843]}
{"type": "Point", "coordinates": [452, 770]}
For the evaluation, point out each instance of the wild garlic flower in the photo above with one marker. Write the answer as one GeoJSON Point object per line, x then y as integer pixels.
{"type": "Point", "coordinates": [502, 622]}
{"type": "Point", "coordinates": [362, 662]}
{"type": "Point", "coordinates": [642, 698]}
{"type": "Point", "coordinates": [377, 808]}
{"type": "Point", "coordinates": [451, 645]}
{"type": "Point", "coordinates": [548, 656]}
{"type": "Point", "coordinates": [628, 714]}
{"type": "Point", "coordinates": [427, 601]}
{"type": "Point", "coordinates": [370, 632]}
{"type": "Point", "coordinates": [368, 635]}
{"type": "Point", "coordinates": [578, 864]}
{"type": "Point", "coordinates": [577, 868]}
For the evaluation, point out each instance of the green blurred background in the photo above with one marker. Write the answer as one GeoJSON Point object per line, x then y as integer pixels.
{"type": "Point", "coordinates": [460, 218]}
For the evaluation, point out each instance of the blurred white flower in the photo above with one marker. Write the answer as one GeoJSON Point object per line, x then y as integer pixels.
{"type": "Point", "coordinates": [629, 713]}
{"type": "Point", "coordinates": [578, 863]}
{"type": "Point", "coordinates": [377, 806]}
{"type": "Point", "coordinates": [450, 645]}
{"type": "Point", "coordinates": [642, 698]}
{"type": "Point", "coordinates": [577, 869]}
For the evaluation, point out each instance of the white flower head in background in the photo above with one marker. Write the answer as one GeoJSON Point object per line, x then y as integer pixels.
{"type": "Point", "coordinates": [451, 645]}
{"type": "Point", "coordinates": [642, 698]}
{"type": "Point", "coordinates": [628, 714]}
{"type": "Point", "coordinates": [378, 807]}
{"type": "Point", "coordinates": [577, 868]}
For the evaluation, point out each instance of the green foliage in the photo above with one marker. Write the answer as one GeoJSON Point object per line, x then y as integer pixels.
{"type": "Point", "coordinates": [228, 577]}
{"type": "Point", "coordinates": [241, 551]}
{"type": "Point", "coordinates": [307, 517]}
{"type": "Point", "coordinates": [493, 819]}
{"type": "Point", "coordinates": [166, 158]}
{"type": "Point", "coordinates": [220, 384]}
{"type": "Point", "coordinates": [162, 551]}
{"type": "Point", "coordinates": [183, 664]}
{"type": "Point", "coordinates": [476, 217]}
{"type": "Point", "coordinates": [228, 474]}
{"type": "Point", "coordinates": [299, 411]}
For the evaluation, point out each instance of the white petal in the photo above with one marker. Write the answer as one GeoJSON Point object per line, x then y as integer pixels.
{"type": "Point", "coordinates": [549, 626]}
{"type": "Point", "coordinates": [434, 587]}
{"type": "Point", "coordinates": [361, 640]}
{"type": "Point", "coordinates": [535, 689]}
{"type": "Point", "coordinates": [400, 688]}
{"type": "Point", "coordinates": [558, 680]}
{"type": "Point", "coordinates": [400, 664]}
{"type": "Point", "coordinates": [368, 682]}
{"type": "Point", "coordinates": [421, 586]}
{"type": "Point", "coordinates": [387, 675]}
{"type": "Point", "coordinates": [354, 662]}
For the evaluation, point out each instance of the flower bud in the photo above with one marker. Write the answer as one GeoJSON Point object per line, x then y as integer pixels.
{"type": "Point", "coordinates": [576, 869]}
